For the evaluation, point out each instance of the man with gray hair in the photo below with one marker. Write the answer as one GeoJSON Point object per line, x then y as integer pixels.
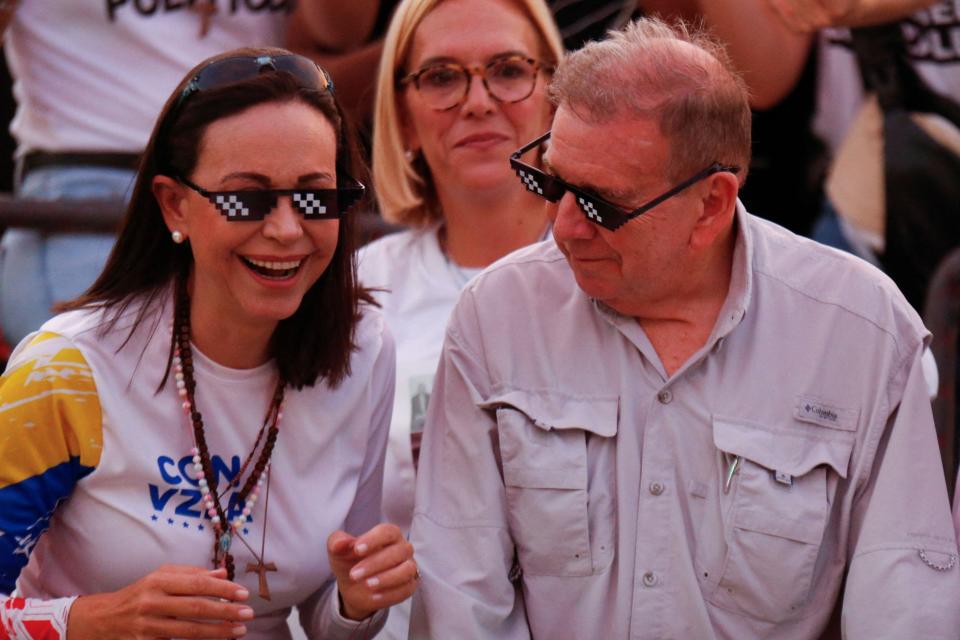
{"type": "Point", "coordinates": [677, 420]}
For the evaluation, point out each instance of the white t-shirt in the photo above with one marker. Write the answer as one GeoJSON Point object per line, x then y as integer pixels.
{"type": "Point", "coordinates": [140, 495]}
{"type": "Point", "coordinates": [419, 288]}
{"type": "Point", "coordinates": [93, 75]}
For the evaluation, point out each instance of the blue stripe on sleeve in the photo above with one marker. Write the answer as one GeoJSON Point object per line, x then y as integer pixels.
{"type": "Point", "coordinates": [25, 511]}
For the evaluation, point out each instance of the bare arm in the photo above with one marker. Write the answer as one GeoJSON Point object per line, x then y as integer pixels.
{"type": "Point", "coordinates": [354, 72]}
{"type": "Point", "coordinates": [336, 25]}
{"type": "Point", "coordinates": [810, 15]}
{"type": "Point", "coordinates": [770, 56]}
{"type": "Point", "coordinates": [769, 40]}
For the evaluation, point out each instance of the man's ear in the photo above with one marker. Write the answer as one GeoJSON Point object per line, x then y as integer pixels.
{"type": "Point", "coordinates": [172, 197]}
{"type": "Point", "coordinates": [718, 205]}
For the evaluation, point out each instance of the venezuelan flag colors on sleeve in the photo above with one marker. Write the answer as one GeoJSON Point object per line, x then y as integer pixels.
{"type": "Point", "coordinates": [51, 436]}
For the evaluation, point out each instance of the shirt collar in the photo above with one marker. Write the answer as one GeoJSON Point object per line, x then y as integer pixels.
{"type": "Point", "coordinates": [741, 278]}
{"type": "Point", "coordinates": [735, 305]}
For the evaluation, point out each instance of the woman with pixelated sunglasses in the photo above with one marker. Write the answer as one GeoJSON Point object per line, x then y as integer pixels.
{"type": "Point", "coordinates": [196, 444]}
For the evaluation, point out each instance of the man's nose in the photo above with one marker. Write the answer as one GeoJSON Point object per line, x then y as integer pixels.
{"type": "Point", "coordinates": [570, 222]}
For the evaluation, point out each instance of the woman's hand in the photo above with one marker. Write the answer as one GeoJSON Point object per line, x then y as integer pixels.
{"type": "Point", "coordinates": [172, 602]}
{"type": "Point", "coordinates": [373, 571]}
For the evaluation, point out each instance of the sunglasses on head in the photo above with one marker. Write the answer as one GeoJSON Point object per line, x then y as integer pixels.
{"type": "Point", "coordinates": [227, 71]}
{"type": "Point", "coordinates": [255, 204]}
{"type": "Point", "coordinates": [598, 210]}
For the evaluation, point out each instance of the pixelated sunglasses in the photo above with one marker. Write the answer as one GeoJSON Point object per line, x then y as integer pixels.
{"type": "Point", "coordinates": [599, 211]}
{"type": "Point", "coordinates": [254, 204]}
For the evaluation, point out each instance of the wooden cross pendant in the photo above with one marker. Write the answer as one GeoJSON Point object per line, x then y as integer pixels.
{"type": "Point", "coordinates": [207, 9]}
{"type": "Point", "coordinates": [260, 567]}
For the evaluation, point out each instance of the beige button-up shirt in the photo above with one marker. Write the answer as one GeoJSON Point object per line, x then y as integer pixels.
{"type": "Point", "coordinates": [569, 488]}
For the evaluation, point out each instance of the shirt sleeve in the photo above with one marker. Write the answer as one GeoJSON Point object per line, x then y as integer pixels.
{"type": "Point", "coordinates": [365, 511]}
{"type": "Point", "coordinates": [320, 614]}
{"type": "Point", "coordinates": [903, 579]}
{"type": "Point", "coordinates": [31, 619]}
{"type": "Point", "coordinates": [321, 617]}
{"type": "Point", "coordinates": [463, 547]}
{"type": "Point", "coordinates": [50, 437]}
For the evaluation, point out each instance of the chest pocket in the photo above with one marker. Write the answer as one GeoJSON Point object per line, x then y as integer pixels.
{"type": "Point", "coordinates": [559, 475]}
{"type": "Point", "coordinates": [779, 508]}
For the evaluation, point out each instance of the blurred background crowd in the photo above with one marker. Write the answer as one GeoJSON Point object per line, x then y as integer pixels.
{"type": "Point", "coordinates": [84, 80]}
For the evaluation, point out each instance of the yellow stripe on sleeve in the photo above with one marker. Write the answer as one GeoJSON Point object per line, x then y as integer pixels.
{"type": "Point", "coordinates": [49, 410]}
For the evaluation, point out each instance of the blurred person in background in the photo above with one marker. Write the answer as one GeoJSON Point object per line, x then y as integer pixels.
{"type": "Point", "coordinates": [769, 41]}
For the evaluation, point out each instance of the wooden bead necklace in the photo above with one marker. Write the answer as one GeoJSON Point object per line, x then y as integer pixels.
{"type": "Point", "coordinates": [224, 529]}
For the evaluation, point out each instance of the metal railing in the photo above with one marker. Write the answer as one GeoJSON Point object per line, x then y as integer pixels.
{"type": "Point", "coordinates": [94, 216]}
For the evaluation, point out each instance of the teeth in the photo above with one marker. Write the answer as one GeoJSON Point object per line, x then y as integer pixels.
{"type": "Point", "coordinates": [277, 266]}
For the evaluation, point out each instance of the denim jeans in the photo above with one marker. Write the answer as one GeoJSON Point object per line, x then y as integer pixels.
{"type": "Point", "coordinates": [828, 229]}
{"type": "Point", "coordinates": [37, 268]}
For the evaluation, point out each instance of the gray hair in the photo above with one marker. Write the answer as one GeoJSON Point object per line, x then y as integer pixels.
{"type": "Point", "coordinates": [674, 74]}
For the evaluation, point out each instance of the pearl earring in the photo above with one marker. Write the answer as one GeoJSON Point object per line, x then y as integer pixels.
{"type": "Point", "coordinates": [409, 155]}
{"type": "Point", "coordinates": [177, 237]}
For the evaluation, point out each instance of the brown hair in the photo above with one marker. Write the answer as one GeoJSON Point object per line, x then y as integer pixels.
{"type": "Point", "coordinates": [674, 74]}
{"type": "Point", "coordinates": [317, 340]}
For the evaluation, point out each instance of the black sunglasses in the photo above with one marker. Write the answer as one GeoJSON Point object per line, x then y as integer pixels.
{"type": "Point", "coordinates": [226, 71]}
{"type": "Point", "coordinates": [255, 204]}
{"type": "Point", "coordinates": [599, 211]}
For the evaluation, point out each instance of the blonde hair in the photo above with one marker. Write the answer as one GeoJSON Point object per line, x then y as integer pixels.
{"type": "Point", "coordinates": [674, 74]}
{"type": "Point", "coordinates": [404, 189]}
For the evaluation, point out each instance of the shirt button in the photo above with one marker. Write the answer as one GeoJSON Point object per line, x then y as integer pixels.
{"type": "Point", "coordinates": [665, 396]}
{"type": "Point", "coordinates": [649, 579]}
{"type": "Point", "coordinates": [656, 488]}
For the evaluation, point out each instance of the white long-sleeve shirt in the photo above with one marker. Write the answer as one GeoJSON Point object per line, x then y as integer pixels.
{"type": "Point", "coordinates": [569, 488]}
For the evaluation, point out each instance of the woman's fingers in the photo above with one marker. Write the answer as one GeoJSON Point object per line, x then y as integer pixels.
{"type": "Point", "coordinates": [340, 544]}
{"type": "Point", "coordinates": [396, 576]}
{"type": "Point", "coordinates": [160, 628]}
{"type": "Point", "coordinates": [202, 609]}
{"type": "Point", "coordinates": [378, 537]}
{"type": "Point", "coordinates": [178, 583]}
{"type": "Point", "coordinates": [382, 559]}
{"type": "Point", "coordinates": [199, 596]}
{"type": "Point", "coordinates": [390, 597]}
{"type": "Point", "coordinates": [381, 568]}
